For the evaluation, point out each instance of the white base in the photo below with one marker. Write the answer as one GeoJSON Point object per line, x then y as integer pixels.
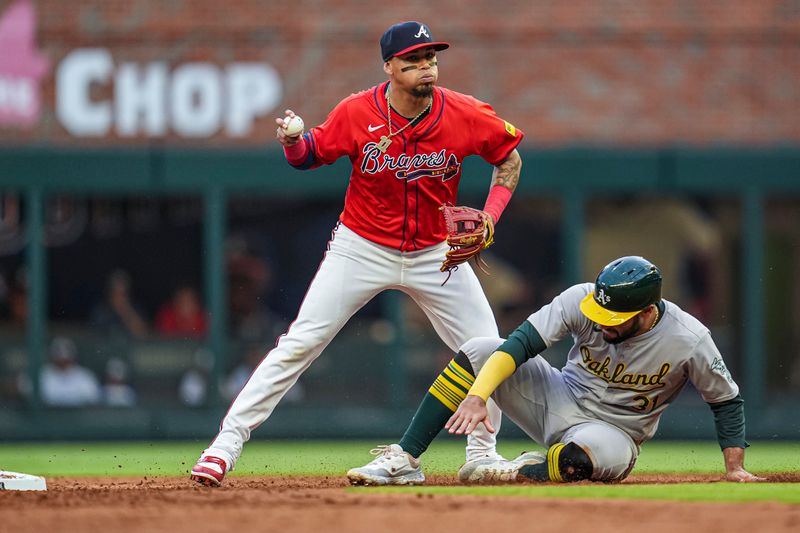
{"type": "Point", "coordinates": [17, 481]}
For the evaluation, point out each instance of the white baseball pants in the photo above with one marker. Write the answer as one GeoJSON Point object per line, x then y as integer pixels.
{"type": "Point", "coordinates": [352, 272]}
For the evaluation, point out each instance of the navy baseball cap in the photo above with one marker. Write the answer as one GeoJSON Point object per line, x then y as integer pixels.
{"type": "Point", "coordinates": [405, 37]}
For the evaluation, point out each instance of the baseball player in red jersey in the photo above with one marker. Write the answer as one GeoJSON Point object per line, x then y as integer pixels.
{"type": "Point", "coordinates": [407, 140]}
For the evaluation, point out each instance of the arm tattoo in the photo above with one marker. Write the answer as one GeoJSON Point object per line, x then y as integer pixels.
{"type": "Point", "coordinates": [507, 172]}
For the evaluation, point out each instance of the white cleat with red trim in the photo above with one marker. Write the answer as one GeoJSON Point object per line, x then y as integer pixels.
{"type": "Point", "coordinates": [209, 471]}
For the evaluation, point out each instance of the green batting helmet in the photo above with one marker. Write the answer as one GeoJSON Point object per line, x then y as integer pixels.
{"type": "Point", "coordinates": [623, 289]}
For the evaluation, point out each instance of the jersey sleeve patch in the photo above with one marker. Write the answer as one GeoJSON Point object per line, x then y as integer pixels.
{"type": "Point", "coordinates": [718, 366]}
{"type": "Point", "coordinates": [510, 129]}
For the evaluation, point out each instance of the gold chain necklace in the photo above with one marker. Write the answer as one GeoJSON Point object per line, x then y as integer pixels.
{"type": "Point", "coordinates": [386, 140]}
{"type": "Point", "coordinates": [655, 321]}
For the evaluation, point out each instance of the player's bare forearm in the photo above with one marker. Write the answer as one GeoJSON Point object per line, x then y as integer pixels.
{"type": "Point", "coordinates": [507, 173]}
{"type": "Point", "coordinates": [734, 466]}
{"type": "Point", "coordinates": [504, 180]}
{"type": "Point", "coordinates": [469, 414]}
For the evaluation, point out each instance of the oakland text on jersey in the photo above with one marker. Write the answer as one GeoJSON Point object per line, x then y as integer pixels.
{"type": "Point", "coordinates": [631, 381]}
{"type": "Point", "coordinates": [410, 167]}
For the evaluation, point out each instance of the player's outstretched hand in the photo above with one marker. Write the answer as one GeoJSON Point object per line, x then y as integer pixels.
{"type": "Point", "coordinates": [469, 414]}
{"type": "Point", "coordinates": [740, 475]}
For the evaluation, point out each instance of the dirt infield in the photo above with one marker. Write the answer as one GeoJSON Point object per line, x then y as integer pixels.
{"type": "Point", "coordinates": [323, 504]}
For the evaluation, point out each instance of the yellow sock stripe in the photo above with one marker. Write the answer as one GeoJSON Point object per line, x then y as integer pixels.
{"type": "Point", "coordinates": [552, 461]}
{"type": "Point", "coordinates": [452, 385]}
{"type": "Point", "coordinates": [456, 393]}
{"type": "Point", "coordinates": [463, 374]}
{"type": "Point", "coordinates": [434, 390]}
{"type": "Point", "coordinates": [457, 380]}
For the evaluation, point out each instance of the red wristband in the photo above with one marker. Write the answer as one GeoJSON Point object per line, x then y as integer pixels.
{"type": "Point", "coordinates": [497, 201]}
{"type": "Point", "coordinates": [297, 153]}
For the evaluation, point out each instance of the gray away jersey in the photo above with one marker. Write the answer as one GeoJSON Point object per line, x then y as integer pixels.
{"type": "Point", "coordinates": [630, 384]}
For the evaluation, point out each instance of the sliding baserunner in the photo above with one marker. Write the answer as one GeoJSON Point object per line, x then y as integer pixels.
{"type": "Point", "coordinates": [633, 352]}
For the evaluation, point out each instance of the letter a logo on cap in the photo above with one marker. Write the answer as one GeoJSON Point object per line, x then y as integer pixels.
{"type": "Point", "coordinates": [603, 298]}
{"type": "Point", "coordinates": [422, 31]}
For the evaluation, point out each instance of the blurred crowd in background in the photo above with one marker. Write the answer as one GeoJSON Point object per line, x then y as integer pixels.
{"type": "Point", "coordinates": [116, 296]}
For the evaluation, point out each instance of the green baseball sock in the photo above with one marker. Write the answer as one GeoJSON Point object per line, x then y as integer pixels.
{"type": "Point", "coordinates": [438, 405]}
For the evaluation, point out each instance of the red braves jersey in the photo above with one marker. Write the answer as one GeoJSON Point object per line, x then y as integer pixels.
{"type": "Point", "coordinates": [393, 198]}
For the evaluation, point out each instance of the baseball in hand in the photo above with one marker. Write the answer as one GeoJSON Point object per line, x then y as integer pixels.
{"type": "Point", "coordinates": [294, 126]}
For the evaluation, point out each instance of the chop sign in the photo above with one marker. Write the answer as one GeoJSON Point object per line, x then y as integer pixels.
{"type": "Point", "coordinates": [95, 96]}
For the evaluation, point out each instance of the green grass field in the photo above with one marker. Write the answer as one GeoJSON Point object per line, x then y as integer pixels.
{"type": "Point", "coordinates": [333, 458]}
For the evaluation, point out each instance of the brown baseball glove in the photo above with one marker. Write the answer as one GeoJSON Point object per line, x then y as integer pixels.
{"type": "Point", "coordinates": [469, 232]}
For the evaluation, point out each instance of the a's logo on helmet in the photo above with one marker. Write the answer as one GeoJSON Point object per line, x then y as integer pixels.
{"type": "Point", "coordinates": [422, 31]}
{"type": "Point", "coordinates": [602, 298]}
